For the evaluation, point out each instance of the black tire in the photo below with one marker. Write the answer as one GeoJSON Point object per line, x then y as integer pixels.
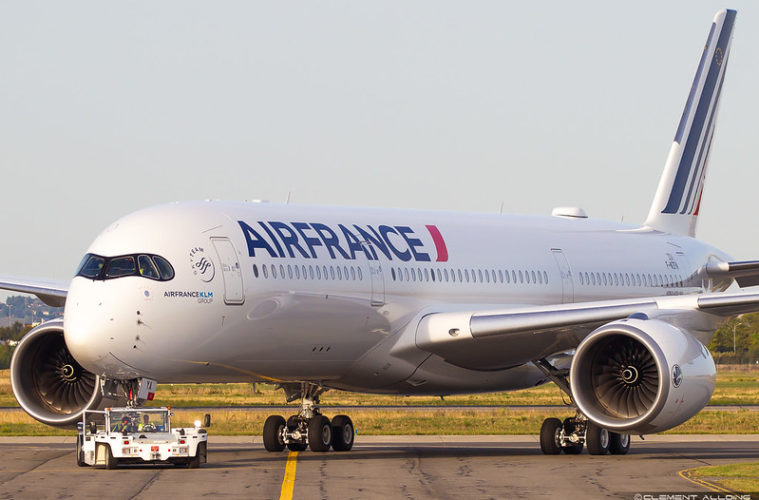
{"type": "Point", "coordinates": [572, 449]}
{"type": "Point", "coordinates": [619, 444]}
{"type": "Point", "coordinates": [272, 434]}
{"type": "Point", "coordinates": [549, 436]}
{"type": "Point", "coordinates": [597, 439]}
{"type": "Point", "coordinates": [342, 433]}
{"type": "Point", "coordinates": [194, 462]}
{"type": "Point", "coordinates": [110, 461]}
{"type": "Point", "coordinates": [319, 433]}
{"type": "Point", "coordinates": [296, 447]}
{"type": "Point", "coordinates": [80, 453]}
{"type": "Point", "coordinates": [569, 425]}
{"type": "Point", "coordinates": [292, 422]}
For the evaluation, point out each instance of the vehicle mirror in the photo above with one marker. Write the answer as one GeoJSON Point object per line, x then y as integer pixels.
{"type": "Point", "coordinates": [79, 426]}
{"type": "Point", "coordinates": [207, 420]}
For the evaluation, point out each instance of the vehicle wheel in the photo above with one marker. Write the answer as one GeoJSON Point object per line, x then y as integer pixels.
{"type": "Point", "coordinates": [319, 433]}
{"type": "Point", "coordinates": [194, 462]}
{"type": "Point", "coordinates": [110, 461]}
{"type": "Point", "coordinates": [80, 453]}
{"type": "Point", "coordinates": [550, 431]}
{"type": "Point", "coordinates": [296, 446]}
{"type": "Point", "coordinates": [597, 439]}
{"type": "Point", "coordinates": [273, 433]}
{"type": "Point", "coordinates": [342, 433]}
{"type": "Point", "coordinates": [619, 444]}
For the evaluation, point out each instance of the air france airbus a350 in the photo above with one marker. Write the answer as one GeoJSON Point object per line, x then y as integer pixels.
{"type": "Point", "coordinates": [404, 302]}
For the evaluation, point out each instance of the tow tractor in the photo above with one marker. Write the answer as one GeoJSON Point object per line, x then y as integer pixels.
{"type": "Point", "coordinates": [138, 436]}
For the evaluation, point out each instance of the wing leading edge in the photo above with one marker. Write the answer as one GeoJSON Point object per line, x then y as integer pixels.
{"type": "Point", "coordinates": [52, 293]}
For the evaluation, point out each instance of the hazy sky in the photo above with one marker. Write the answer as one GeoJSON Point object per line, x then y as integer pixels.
{"type": "Point", "coordinates": [108, 107]}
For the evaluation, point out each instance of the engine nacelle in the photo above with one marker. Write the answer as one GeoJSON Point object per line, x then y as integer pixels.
{"type": "Point", "coordinates": [48, 382]}
{"type": "Point", "coordinates": [641, 376]}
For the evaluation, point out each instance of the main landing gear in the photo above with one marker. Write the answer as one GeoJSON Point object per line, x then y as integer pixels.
{"type": "Point", "coordinates": [571, 435]}
{"type": "Point", "coordinates": [308, 428]}
{"type": "Point", "coordinates": [574, 433]}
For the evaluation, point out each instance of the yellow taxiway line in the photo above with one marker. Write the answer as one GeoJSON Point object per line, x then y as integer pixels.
{"type": "Point", "coordinates": [687, 475]}
{"type": "Point", "coordinates": [288, 483]}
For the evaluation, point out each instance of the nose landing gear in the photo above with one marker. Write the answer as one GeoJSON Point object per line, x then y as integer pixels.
{"type": "Point", "coordinates": [308, 428]}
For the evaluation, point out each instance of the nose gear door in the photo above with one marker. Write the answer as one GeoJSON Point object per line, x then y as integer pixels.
{"type": "Point", "coordinates": [230, 271]}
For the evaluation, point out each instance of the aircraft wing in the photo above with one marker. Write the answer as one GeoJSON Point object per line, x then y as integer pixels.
{"type": "Point", "coordinates": [52, 293]}
{"type": "Point", "coordinates": [745, 273]}
{"type": "Point", "coordinates": [502, 338]}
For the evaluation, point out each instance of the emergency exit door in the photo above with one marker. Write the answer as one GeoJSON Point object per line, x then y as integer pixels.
{"type": "Point", "coordinates": [230, 271]}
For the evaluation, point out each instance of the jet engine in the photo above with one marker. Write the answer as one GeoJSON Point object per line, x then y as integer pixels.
{"type": "Point", "coordinates": [641, 375]}
{"type": "Point", "coordinates": [48, 382]}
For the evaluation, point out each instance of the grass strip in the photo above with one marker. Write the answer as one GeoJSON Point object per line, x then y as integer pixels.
{"type": "Point", "coordinates": [735, 385]}
{"type": "Point", "coordinates": [734, 477]}
{"type": "Point", "coordinates": [249, 422]}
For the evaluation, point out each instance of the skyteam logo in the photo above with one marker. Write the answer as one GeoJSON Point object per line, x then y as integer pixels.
{"type": "Point", "coordinates": [343, 241]}
{"type": "Point", "coordinates": [201, 264]}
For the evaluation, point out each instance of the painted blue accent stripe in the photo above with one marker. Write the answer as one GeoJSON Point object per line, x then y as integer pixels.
{"type": "Point", "coordinates": [705, 145]}
{"type": "Point", "coordinates": [704, 102]}
{"type": "Point", "coordinates": [692, 95]}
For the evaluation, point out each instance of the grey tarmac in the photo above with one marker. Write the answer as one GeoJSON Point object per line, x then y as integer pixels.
{"type": "Point", "coordinates": [377, 467]}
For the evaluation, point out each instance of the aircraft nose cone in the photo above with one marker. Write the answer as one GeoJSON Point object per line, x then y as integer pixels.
{"type": "Point", "coordinates": [83, 329]}
{"type": "Point", "coordinates": [98, 328]}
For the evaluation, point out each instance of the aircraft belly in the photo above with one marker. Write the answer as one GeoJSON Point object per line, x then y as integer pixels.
{"type": "Point", "coordinates": [303, 336]}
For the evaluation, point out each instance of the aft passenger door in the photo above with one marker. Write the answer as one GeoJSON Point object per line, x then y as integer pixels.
{"type": "Point", "coordinates": [230, 271]}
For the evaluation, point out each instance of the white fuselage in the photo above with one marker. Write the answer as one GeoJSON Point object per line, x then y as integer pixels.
{"type": "Point", "coordinates": [285, 292]}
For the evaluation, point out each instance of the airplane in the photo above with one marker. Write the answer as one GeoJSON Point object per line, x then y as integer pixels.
{"type": "Point", "coordinates": [404, 302]}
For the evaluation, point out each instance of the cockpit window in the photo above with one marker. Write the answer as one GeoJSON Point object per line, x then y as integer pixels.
{"type": "Point", "coordinates": [167, 272]}
{"type": "Point", "coordinates": [147, 268]}
{"type": "Point", "coordinates": [104, 268]}
{"type": "Point", "coordinates": [91, 266]}
{"type": "Point", "coordinates": [120, 266]}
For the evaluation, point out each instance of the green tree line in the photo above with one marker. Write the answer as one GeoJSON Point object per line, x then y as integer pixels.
{"type": "Point", "coordinates": [737, 341]}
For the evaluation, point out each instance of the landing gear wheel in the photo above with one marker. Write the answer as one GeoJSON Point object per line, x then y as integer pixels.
{"type": "Point", "coordinates": [572, 448]}
{"type": "Point", "coordinates": [619, 444]}
{"type": "Point", "coordinates": [272, 434]}
{"type": "Point", "coordinates": [292, 422]}
{"type": "Point", "coordinates": [342, 433]}
{"type": "Point", "coordinates": [570, 426]}
{"type": "Point", "coordinates": [296, 446]}
{"type": "Point", "coordinates": [319, 433]}
{"type": "Point", "coordinates": [550, 431]}
{"type": "Point", "coordinates": [80, 453]}
{"type": "Point", "coordinates": [597, 439]}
